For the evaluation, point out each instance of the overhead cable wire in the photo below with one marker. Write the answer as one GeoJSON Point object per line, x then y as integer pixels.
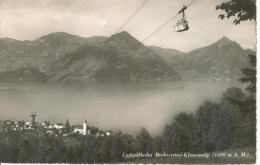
{"type": "Point", "coordinates": [132, 16]}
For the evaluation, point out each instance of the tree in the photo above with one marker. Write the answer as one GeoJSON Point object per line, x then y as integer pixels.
{"type": "Point", "coordinates": [25, 152]}
{"type": "Point", "coordinates": [91, 150]}
{"type": "Point", "coordinates": [143, 141]}
{"type": "Point", "coordinates": [250, 75]}
{"type": "Point", "coordinates": [242, 10]}
{"type": "Point", "coordinates": [205, 117]}
{"type": "Point", "coordinates": [178, 136]}
{"type": "Point", "coordinates": [67, 126]}
{"type": "Point", "coordinates": [226, 124]}
{"type": "Point", "coordinates": [117, 148]}
{"type": "Point", "coordinates": [249, 105]}
{"type": "Point", "coordinates": [185, 125]}
{"type": "Point", "coordinates": [105, 149]}
{"type": "Point", "coordinates": [157, 144]}
{"type": "Point", "coordinates": [239, 111]}
{"type": "Point", "coordinates": [128, 141]}
{"type": "Point", "coordinates": [167, 136]}
{"type": "Point", "coordinates": [68, 155]}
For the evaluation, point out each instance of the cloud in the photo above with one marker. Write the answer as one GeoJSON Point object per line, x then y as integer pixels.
{"type": "Point", "coordinates": [30, 19]}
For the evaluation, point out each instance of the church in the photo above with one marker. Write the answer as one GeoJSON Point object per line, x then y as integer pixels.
{"type": "Point", "coordinates": [83, 129]}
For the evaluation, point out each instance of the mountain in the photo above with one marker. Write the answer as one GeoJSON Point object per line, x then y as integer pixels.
{"type": "Point", "coordinates": [250, 51]}
{"type": "Point", "coordinates": [59, 43]}
{"type": "Point", "coordinates": [40, 53]}
{"type": "Point", "coordinates": [224, 58]}
{"type": "Point", "coordinates": [119, 58]}
{"type": "Point", "coordinates": [23, 75]}
{"type": "Point", "coordinates": [69, 58]}
{"type": "Point", "coordinates": [172, 57]}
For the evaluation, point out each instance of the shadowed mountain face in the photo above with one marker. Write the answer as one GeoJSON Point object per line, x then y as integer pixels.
{"type": "Point", "coordinates": [69, 58]}
{"type": "Point", "coordinates": [172, 57]}
{"type": "Point", "coordinates": [119, 58]}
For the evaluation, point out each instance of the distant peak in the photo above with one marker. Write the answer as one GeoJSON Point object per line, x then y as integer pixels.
{"type": "Point", "coordinates": [122, 35]}
{"type": "Point", "coordinates": [9, 40]}
{"type": "Point", "coordinates": [225, 39]}
{"type": "Point", "coordinates": [57, 35]}
{"type": "Point", "coordinates": [125, 37]}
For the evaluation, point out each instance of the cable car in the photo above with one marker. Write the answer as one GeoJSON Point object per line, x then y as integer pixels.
{"type": "Point", "coordinates": [182, 24]}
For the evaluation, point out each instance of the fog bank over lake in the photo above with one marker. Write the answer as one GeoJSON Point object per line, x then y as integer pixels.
{"type": "Point", "coordinates": [116, 106]}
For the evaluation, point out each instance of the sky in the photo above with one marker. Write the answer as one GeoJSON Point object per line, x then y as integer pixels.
{"type": "Point", "coordinates": [31, 19]}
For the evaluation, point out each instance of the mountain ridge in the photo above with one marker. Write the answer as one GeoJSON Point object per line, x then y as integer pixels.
{"type": "Point", "coordinates": [120, 58]}
{"type": "Point", "coordinates": [215, 60]}
{"type": "Point", "coordinates": [46, 53]}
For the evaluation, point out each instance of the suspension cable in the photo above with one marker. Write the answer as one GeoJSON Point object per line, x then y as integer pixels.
{"type": "Point", "coordinates": [132, 16]}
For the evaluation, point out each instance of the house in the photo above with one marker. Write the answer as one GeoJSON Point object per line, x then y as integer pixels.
{"type": "Point", "coordinates": [103, 133]}
{"type": "Point", "coordinates": [51, 126]}
{"type": "Point", "coordinates": [58, 126]}
{"type": "Point", "coordinates": [28, 123]}
{"type": "Point", "coordinates": [7, 125]}
{"type": "Point", "coordinates": [78, 129]}
{"type": "Point", "coordinates": [49, 132]}
{"type": "Point", "coordinates": [9, 122]}
{"type": "Point", "coordinates": [108, 133]}
{"type": "Point", "coordinates": [45, 124]}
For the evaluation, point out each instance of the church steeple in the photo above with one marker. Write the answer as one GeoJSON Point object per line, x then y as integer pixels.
{"type": "Point", "coordinates": [85, 127]}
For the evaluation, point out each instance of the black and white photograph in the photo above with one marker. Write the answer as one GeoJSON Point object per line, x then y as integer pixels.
{"type": "Point", "coordinates": [128, 81]}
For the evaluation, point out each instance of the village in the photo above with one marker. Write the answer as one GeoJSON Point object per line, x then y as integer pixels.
{"type": "Point", "coordinates": [57, 129]}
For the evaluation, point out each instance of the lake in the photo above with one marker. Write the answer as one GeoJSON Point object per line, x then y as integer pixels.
{"type": "Point", "coordinates": [127, 107]}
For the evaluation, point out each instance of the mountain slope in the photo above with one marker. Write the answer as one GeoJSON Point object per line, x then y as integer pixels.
{"type": "Point", "coordinates": [120, 58]}
{"type": "Point", "coordinates": [70, 58]}
{"type": "Point", "coordinates": [40, 53]}
{"type": "Point", "coordinates": [223, 58]}
{"type": "Point", "coordinates": [60, 43]}
{"type": "Point", "coordinates": [172, 57]}
{"type": "Point", "coordinates": [249, 51]}
{"type": "Point", "coordinates": [23, 75]}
